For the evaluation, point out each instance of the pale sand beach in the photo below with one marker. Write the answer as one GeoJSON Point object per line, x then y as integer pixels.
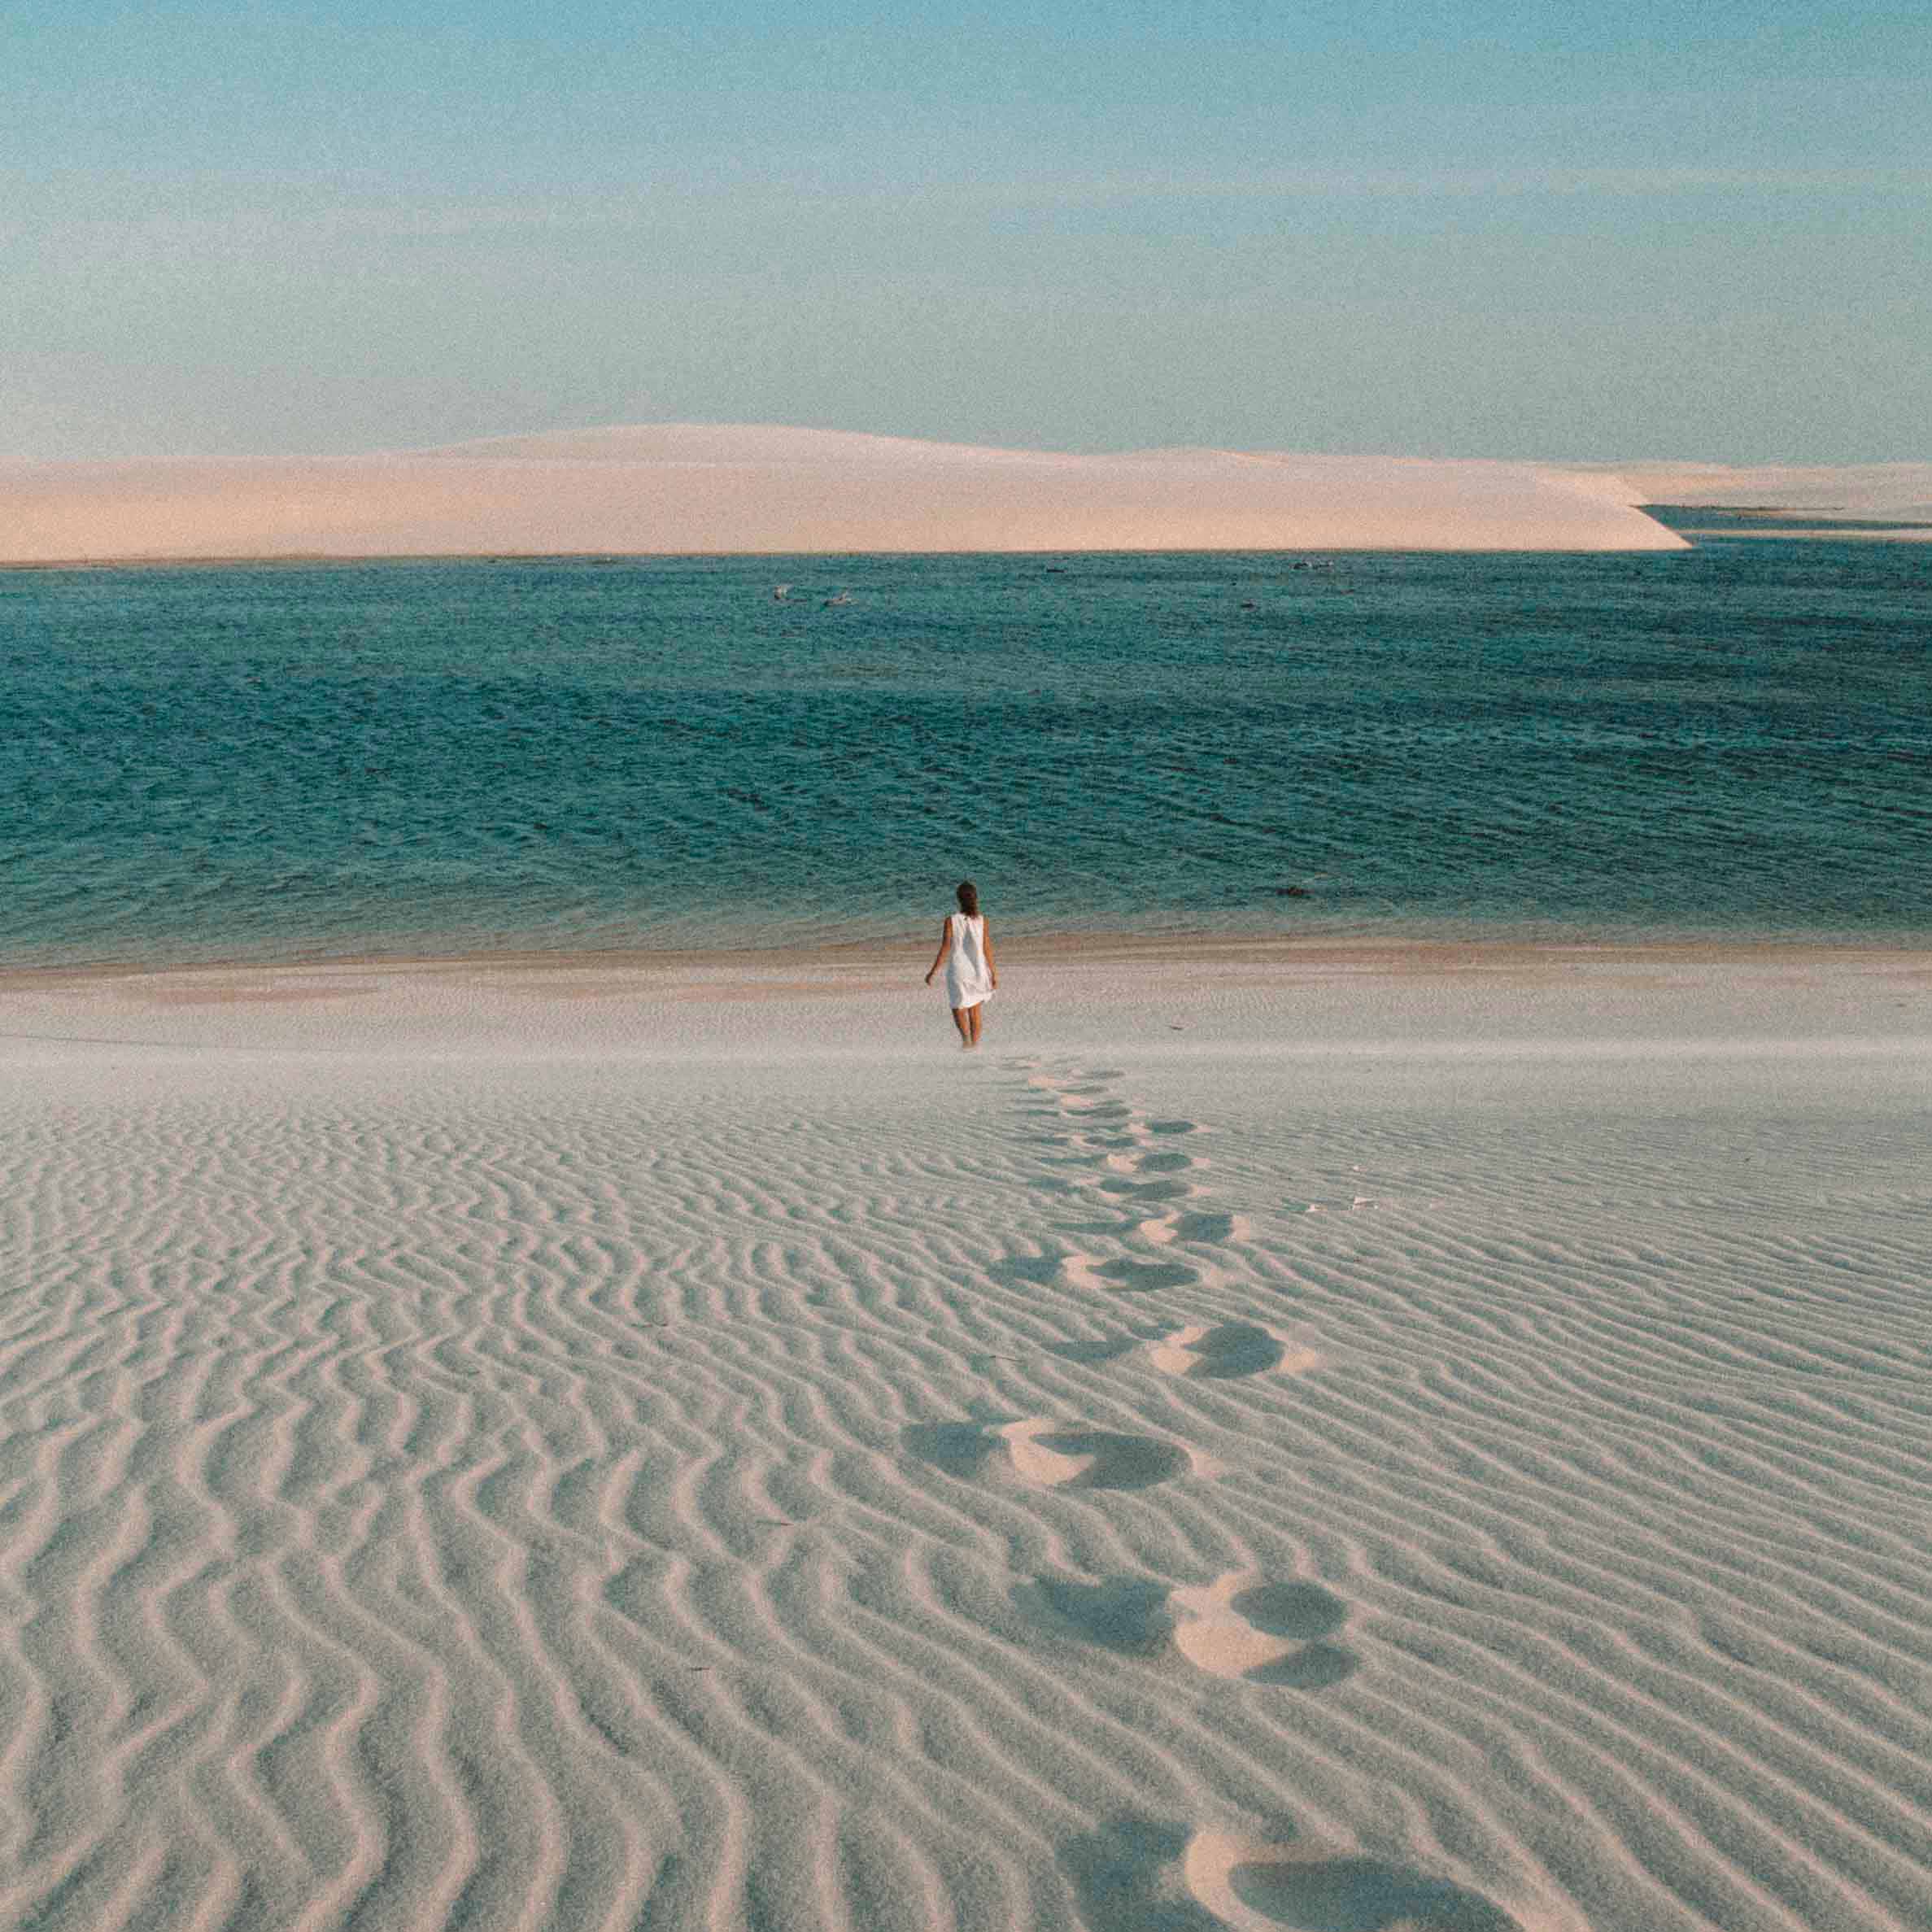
{"type": "Point", "coordinates": [1329, 1436]}
{"type": "Point", "coordinates": [708, 488]}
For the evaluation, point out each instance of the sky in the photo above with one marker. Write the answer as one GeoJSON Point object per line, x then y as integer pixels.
{"type": "Point", "coordinates": [1474, 228]}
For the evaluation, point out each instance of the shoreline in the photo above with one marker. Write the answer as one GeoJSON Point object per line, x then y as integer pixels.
{"type": "Point", "coordinates": [865, 1004]}
{"type": "Point", "coordinates": [1393, 954]}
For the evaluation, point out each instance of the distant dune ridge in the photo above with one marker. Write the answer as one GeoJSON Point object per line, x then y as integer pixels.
{"type": "Point", "coordinates": [685, 487]}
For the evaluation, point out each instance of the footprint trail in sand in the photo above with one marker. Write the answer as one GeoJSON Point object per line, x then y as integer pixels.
{"type": "Point", "coordinates": [537, 1495]}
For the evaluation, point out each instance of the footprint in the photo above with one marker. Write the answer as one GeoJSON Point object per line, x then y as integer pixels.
{"type": "Point", "coordinates": [1203, 1227]}
{"type": "Point", "coordinates": [1030, 1270]}
{"type": "Point", "coordinates": [1127, 1614]}
{"type": "Point", "coordinates": [1127, 1158]}
{"type": "Point", "coordinates": [959, 1448]}
{"type": "Point", "coordinates": [1055, 1457]}
{"type": "Point", "coordinates": [1221, 1351]}
{"type": "Point", "coordinates": [1051, 1455]}
{"type": "Point", "coordinates": [1238, 1627]}
{"type": "Point", "coordinates": [1167, 1163]}
{"type": "Point", "coordinates": [1090, 1353]}
{"type": "Point", "coordinates": [1126, 1877]}
{"type": "Point", "coordinates": [1127, 1277]}
{"type": "Point", "coordinates": [1241, 1626]}
{"type": "Point", "coordinates": [1146, 1875]}
{"type": "Point", "coordinates": [1141, 1277]}
{"type": "Point", "coordinates": [1125, 1190]}
{"type": "Point", "coordinates": [1251, 1886]}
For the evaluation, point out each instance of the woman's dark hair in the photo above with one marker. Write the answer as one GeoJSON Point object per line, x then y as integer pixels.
{"type": "Point", "coordinates": [969, 899]}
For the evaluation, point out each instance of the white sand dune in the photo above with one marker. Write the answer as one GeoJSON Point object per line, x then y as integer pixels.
{"type": "Point", "coordinates": [760, 488]}
{"type": "Point", "coordinates": [583, 1447]}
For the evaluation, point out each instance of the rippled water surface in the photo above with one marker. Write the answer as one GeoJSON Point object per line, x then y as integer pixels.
{"type": "Point", "coordinates": [278, 760]}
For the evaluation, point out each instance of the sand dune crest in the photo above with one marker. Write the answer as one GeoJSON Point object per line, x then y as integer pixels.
{"type": "Point", "coordinates": [692, 487]}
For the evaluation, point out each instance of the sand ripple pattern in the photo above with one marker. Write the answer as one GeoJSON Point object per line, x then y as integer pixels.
{"type": "Point", "coordinates": [587, 1498]}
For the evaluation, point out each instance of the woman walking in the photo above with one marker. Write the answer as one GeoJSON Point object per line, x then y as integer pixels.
{"type": "Point", "coordinates": [966, 951]}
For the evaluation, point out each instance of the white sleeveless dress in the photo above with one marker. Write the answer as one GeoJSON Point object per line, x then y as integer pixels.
{"type": "Point", "coordinates": [968, 982]}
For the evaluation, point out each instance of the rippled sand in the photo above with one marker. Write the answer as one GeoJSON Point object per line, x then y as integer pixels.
{"type": "Point", "coordinates": [1282, 1437]}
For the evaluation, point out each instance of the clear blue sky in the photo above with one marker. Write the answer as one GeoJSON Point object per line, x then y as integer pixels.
{"type": "Point", "coordinates": [1469, 227]}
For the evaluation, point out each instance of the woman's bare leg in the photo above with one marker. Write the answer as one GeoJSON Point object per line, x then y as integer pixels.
{"type": "Point", "coordinates": [973, 1015]}
{"type": "Point", "coordinates": [964, 1024]}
